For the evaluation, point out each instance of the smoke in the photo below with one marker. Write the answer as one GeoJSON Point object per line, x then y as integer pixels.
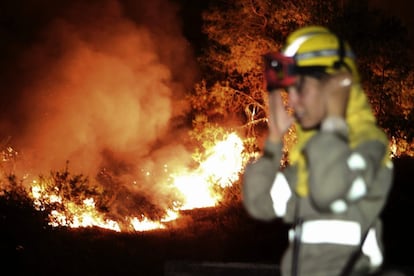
{"type": "Point", "coordinates": [102, 86]}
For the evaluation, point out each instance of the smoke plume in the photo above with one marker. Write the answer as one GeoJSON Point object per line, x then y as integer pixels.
{"type": "Point", "coordinates": [101, 86]}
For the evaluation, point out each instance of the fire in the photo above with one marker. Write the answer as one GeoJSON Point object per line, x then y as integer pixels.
{"type": "Point", "coordinates": [222, 166]}
{"type": "Point", "coordinates": [84, 215]}
{"type": "Point", "coordinates": [219, 167]}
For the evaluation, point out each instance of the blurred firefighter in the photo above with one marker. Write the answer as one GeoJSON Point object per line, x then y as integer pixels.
{"type": "Point", "coordinates": [338, 174]}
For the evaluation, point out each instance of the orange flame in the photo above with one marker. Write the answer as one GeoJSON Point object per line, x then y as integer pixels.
{"type": "Point", "coordinates": [220, 166]}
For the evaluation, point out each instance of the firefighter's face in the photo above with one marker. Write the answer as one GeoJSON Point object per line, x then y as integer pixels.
{"type": "Point", "coordinates": [305, 97]}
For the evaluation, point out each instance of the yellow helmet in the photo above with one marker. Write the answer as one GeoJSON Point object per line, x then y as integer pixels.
{"type": "Point", "coordinates": [308, 51]}
{"type": "Point", "coordinates": [316, 48]}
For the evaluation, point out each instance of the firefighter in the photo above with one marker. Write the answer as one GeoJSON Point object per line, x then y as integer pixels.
{"type": "Point", "coordinates": [338, 174]}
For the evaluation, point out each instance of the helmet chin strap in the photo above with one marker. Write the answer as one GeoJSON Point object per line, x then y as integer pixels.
{"type": "Point", "coordinates": [341, 53]}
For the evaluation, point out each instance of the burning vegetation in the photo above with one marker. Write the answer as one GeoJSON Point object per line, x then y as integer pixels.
{"type": "Point", "coordinates": [115, 125]}
{"type": "Point", "coordinates": [80, 201]}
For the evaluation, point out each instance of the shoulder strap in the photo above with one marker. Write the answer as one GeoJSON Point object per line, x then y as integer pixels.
{"type": "Point", "coordinates": [354, 257]}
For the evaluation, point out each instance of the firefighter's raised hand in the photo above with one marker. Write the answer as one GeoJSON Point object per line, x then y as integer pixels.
{"type": "Point", "coordinates": [336, 92]}
{"type": "Point", "coordinates": [279, 118]}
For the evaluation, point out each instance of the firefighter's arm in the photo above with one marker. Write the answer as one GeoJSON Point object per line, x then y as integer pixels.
{"type": "Point", "coordinates": [259, 184]}
{"type": "Point", "coordinates": [339, 176]}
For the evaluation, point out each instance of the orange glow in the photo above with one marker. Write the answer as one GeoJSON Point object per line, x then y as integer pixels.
{"type": "Point", "coordinates": [222, 165]}
{"type": "Point", "coordinates": [219, 165]}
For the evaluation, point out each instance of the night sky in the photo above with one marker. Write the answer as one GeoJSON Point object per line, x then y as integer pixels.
{"type": "Point", "coordinates": [402, 9]}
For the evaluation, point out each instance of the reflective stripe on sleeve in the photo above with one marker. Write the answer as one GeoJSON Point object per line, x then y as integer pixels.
{"type": "Point", "coordinates": [358, 189]}
{"type": "Point", "coordinates": [280, 193]}
{"type": "Point", "coordinates": [338, 206]}
{"type": "Point", "coordinates": [356, 162]}
{"type": "Point", "coordinates": [331, 231]}
{"type": "Point", "coordinates": [371, 248]}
